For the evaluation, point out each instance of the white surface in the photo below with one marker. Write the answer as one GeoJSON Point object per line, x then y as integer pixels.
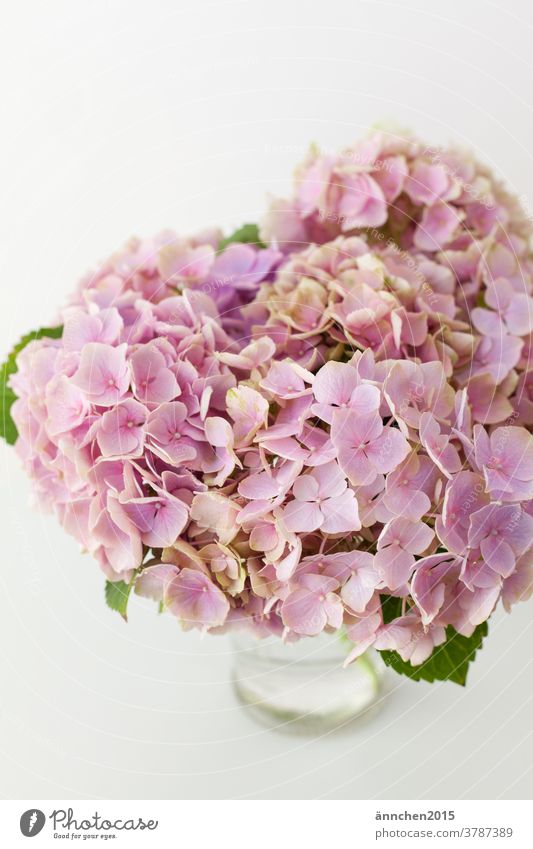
{"type": "Point", "coordinates": [127, 117]}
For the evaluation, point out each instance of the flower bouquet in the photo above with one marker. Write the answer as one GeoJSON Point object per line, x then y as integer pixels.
{"type": "Point", "coordinates": [316, 425]}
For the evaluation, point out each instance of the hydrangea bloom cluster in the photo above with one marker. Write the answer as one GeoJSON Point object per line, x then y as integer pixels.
{"type": "Point", "coordinates": [281, 436]}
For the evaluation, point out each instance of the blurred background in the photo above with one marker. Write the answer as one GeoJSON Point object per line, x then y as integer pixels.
{"type": "Point", "coordinates": [123, 118]}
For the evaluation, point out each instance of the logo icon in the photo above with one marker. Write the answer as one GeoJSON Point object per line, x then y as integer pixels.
{"type": "Point", "coordinates": [32, 822]}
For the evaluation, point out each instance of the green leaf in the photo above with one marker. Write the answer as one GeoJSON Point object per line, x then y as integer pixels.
{"type": "Point", "coordinates": [117, 595]}
{"type": "Point", "coordinates": [448, 662]}
{"type": "Point", "coordinates": [8, 429]}
{"type": "Point", "coordinates": [391, 608]}
{"type": "Point", "coordinates": [247, 234]}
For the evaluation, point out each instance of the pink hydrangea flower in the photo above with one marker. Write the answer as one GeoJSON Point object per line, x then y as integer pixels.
{"type": "Point", "coordinates": [439, 223]}
{"type": "Point", "coordinates": [413, 642]}
{"type": "Point", "coordinates": [103, 373]}
{"type": "Point", "coordinates": [338, 385]}
{"type": "Point", "coordinates": [489, 403]}
{"type": "Point", "coordinates": [81, 328]}
{"type": "Point", "coordinates": [215, 512]}
{"type": "Point", "coordinates": [196, 600]}
{"type": "Point", "coordinates": [428, 587]}
{"type": "Point", "coordinates": [66, 404]}
{"type": "Point", "coordinates": [409, 488]}
{"type": "Point", "coordinates": [159, 518]}
{"type": "Point", "coordinates": [363, 581]}
{"type": "Point", "coordinates": [248, 409]}
{"type": "Point", "coordinates": [153, 381]}
{"type": "Point", "coordinates": [121, 430]}
{"type": "Point", "coordinates": [219, 435]}
{"type": "Point", "coordinates": [438, 446]}
{"type": "Point", "coordinates": [502, 533]}
{"type": "Point", "coordinates": [278, 437]}
{"type": "Point", "coordinates": [365, 447]}
{"type": "Point", "coordinates": [168, 435]}
{"type": "Point", "coordinates": [464, 494]}
{"type": "Point", "coordinates": [506, 460]}
{"type": "Point", "coordinates": [429, 182]}
{"type": "Point", "coordinates": [398, 542]}
{"type": "Point", "coordinates": [312, 605]}
{"type": "Point", "coordinates": [512, 310]}
{"type": "Point", "coordinates": [180, 262]}
{"type": "Point", "coordinates": [322, 500]}
{"type": "Point", "coordinates": [267, 489]}
{"type": "Point", "coordinates": [287, 380]}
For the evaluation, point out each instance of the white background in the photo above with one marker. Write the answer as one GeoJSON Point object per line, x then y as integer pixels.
{"type": "Point", "coordinates": [128, 117]}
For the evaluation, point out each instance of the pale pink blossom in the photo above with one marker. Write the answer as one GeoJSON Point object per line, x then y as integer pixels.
{"type": "Point", "coordinates": [196, 600]}
{"type": "Point", "coordinates": [159, 518]}
{"type": "Point", "coordinates": [312, 605]}
{"type": "Point", "coordinates": [409, 488]}
{"type": "Point", "coordinates": [80, 328]}
{"type": "Point", "coordinates": [364, 579]}
{"type": "Point", "coordinates": [438, 445]}
{"type": "Point", "coordinates": [413, 642]}
{"type": "Point", "coordinates": [505, 459]}
{"type": "Point", "coordinates": [464, 494]}
{"type": "Point", "coordinates": [322, 499]}
{"type": "Point", "coordinates": [166, 428]}
{"type": "Point", "coordinates": [399, 540]}
{"type": "Point", "coordinates": [502, 532]}
{"type": "Point", "coordinates": [248, 409]}
{"type": "Point", "coordinates": [103, 373]}
{"type": "Point", "coordinates": [439, 223]}
{"type": "Point", "coordinates": [338, 385]}
{"type": "Point", "coordinates": [153, 381]}
{"type": "Point", "coordinates": [286, 379]}
{"type": "Point", "coordinates": [215, 512]}
{"type": "Point", "coordinates": [365, 448]}
{"type": "Point", "coordinates": [121, 432]}
{"type": "Point", "coordinates": [66, 404]}
{"type": "Point", "coordinates": [180, 262]}
{"type": "Point", "coordinates": [280, 437]}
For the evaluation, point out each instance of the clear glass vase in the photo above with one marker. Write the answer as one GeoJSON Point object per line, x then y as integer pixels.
{"type": "Point", "coordinates": [302, 686]}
